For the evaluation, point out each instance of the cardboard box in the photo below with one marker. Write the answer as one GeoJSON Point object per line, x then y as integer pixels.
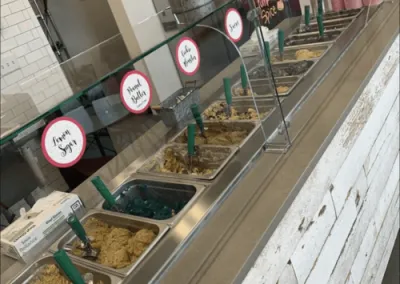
{"type": "Point", "coordinates": [32, 233]}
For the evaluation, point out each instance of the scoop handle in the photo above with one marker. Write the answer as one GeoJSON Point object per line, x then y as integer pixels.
{"type": "Point", "coordinates": [191, 130]}
{"type": "Point", "coordinates": [103, 190]}
{"type": "Point", "coordinates": [197, 117]}
{"type": "Point", "coordinates": [65, 263]}
{"type": "Point", "coordinates": [281, 40]}
{"type": "Point", "coordinates": [243, 76]}
{"type": "Point", "coordinates": [307, 15]}
{"type": "Point", "coordinates": [320, 8]}
{"type": "Point", "coordinates": [267, 50]}
{"type": "Point", "coordinates": [227, 89]}
{"type": "Point", "coordinates": [320, 25]}
{"type": "Point", "coordinates": [77, 227]}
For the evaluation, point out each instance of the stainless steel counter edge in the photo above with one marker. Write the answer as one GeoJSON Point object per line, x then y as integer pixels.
{"type": "Point", "coordinates": [242, 225]}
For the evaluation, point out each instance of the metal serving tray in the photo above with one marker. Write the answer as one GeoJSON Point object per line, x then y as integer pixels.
{"type": "Point", "coordinates": [167, 192]}
{"type": "Point", "coordinates": [129, 222]}
{"type": "Point", "coordinates": [244, 125]}
{"type": "Point", "coordinates": [30, 273]}
{"type": "Point", "coordinates": [312, 38]}
{"type": "Point", "coordinates": [221, 155]}
{"type": "Point", "coordinates": [337, 15]}
{"type": "Point", "coordinates": [265, 106]}
{"type": "Point", "coordinates": [282, 68]}
{"type": "Point", "coordinates": [289, 54]}
{"type": "Point", "coordinates": [263, 88]}
{"type": "Point", "coordinates": [341, 23]}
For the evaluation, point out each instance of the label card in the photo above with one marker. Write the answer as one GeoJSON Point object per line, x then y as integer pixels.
{"type": "Point", "coordinates": [63, 142]}
{"type": "Point", "coordinates": [187, 56]}
{"type": "Point", "coordinates": [233, 25]}
{"type": "Point", "coordinates": [136, 92]}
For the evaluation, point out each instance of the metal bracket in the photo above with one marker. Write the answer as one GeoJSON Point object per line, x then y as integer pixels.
{"type": "Point", "coordinates": [281, 129]}
{"type": "Point", "coordinates": [279, 148]}
{"type": "Point", "coordinates": [253, 14]}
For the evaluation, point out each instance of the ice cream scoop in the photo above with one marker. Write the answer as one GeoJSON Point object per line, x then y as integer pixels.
{"type": "Point", "coordinates": [88, 251]}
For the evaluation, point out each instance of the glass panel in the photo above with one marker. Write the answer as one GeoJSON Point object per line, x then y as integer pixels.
{"type": "Point", "coordinates": [83, 88]}
{"type": "Point", "coordinates": [82, 73]}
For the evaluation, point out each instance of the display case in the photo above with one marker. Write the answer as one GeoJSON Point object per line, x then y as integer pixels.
{"type": "Point", "coordinates": [173, 131]}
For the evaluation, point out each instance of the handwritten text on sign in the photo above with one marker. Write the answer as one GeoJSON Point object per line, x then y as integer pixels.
{"type": "Point", "coordinates": [233, 25]}
{"type": "Point", "coordinates": [272, 12]}
{"type": "Point", "coordinates": [187, 56]}
{"type": "Point", "coordinates": [136, 92]}
{"type": "Point", "coordinates": [63, 142]}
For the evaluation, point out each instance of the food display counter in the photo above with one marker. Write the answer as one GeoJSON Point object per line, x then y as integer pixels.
{"type": "Point", "coordinates": [167, 203]}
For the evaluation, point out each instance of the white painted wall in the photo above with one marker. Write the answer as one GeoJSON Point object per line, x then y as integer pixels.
{"type": "Point", "coordinates": [38, 84]}
{"type": "Point", "coordinates": [342, 225]}
{"type": "Point", "coordinates": [38, 77]}
{"type": "Point", "coordinates": [141, 30]}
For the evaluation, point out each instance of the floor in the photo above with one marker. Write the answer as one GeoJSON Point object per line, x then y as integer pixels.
{"type": "Point", "coordinates": [392, 275]}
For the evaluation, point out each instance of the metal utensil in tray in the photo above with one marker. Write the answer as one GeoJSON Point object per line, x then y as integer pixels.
{"type": "Point", "coordinates": [282, 69]}
{"type": "Point", "coordinates": [129, 222]}
{"type": "Point", "coordinates": [289, 53]}
{"type": "Point", "coordinates": [340, 14]}
{"type": "Point", "coordinates": [265, 106]}
{"type": "Point", "coordinates": [213, 157]}
{"type": "Point", "coordinates": [339, 24]}
{"type": "Point", "coordinates": [34, 270]}
{"type": "Point", "coordinates": [312, 38]}
{"type": "Point", "coordinates": [249, 126]}
{"type": "Point", "coordinates": [174, 194]}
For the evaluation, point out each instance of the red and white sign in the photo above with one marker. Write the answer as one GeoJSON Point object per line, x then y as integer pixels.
{"type": "Point", "coordinates": [136, 92]}
{"type": "Point", "coordinates": [187, 56]}
{"type": "Point", "coordinates": [233, 25]}
{"type": "Point", "coordinates": [63, 142]}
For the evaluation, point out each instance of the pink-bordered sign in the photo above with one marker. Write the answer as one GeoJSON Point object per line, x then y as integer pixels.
{"type": "Point", "coordinates": [136, 92]}
{"type": "Point", "coordinates": [187, 56]}
{"type": "Point", "coordinates": [233, 25]}
{"type": "Point", "coordinates": [63, 142]}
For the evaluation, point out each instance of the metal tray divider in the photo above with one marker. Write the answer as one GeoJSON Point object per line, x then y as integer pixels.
{"type": "Point", "coordinates": [170, 221]}
{"type": "Point", "coordinates": [69, 237]}
{"type": "Point", "coordinates": [153, 158]}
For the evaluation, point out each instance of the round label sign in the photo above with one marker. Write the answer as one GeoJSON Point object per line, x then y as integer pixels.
{"type": "Point", "coordinates": [187, 56]}
{"type": "Point", "coordinates": [63, 142]}
{"type": "Point", "coordinates": [136, 92]}
{"type": "Point", "coordinates": [233, 25]}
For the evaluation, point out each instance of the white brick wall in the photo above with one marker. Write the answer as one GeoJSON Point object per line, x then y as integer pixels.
{"type": "Point", "coordinates": [349, 206]}
{"type": "Point", "coordinates": [23, 38]}
{"type": "Point", "coordinates": [38, 84]}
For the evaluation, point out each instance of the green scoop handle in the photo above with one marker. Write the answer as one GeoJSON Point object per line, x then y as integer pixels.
{"type": "Point", "coordinates": [65, 263]}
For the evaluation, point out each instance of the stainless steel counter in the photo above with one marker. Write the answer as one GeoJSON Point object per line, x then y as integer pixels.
{"type": "Point", "coordinates": [212, 231]}
{"type": "Point", "coordinates": [225, 248]}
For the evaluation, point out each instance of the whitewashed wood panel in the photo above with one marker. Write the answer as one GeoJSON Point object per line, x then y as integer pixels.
{"type": "Point", "coordinates": [384, 135]}
{"type": "Point", "coordinates": [380, 244]}
{"type": "Point", "coordinates": [364, 253]}
{"type": "Point", "coordinates": [307, 202]}
{"type": "Point", "coordinates": [288, 275]}
{"type": "Point", "coordinates": [311, 195]}
{"type": "Point", "coordinates": [374, 195]}
{"type": "Point", "coordinates": [388, 195]}
{"type": "Point", "coordinates": [355, 160]}
{"type": "Point", "coordinates": [388, 251]}
{"type": "Point", "coordinates": [313, 240]}
{"type": "Point", "coordinates": [375, 170]}
{"type": "Point", "coordinates": [330, 252]}
{"type": "Point", "coordinates": [349, 279]}
{"type": "Point", "coordinates": [379, 174]}
{"type": "Point", "coordinates": [353, 242]}
{"type": "Point", "coordinates": [373, 202]}
{"type": "Point", "coordinates": [359, 190]}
